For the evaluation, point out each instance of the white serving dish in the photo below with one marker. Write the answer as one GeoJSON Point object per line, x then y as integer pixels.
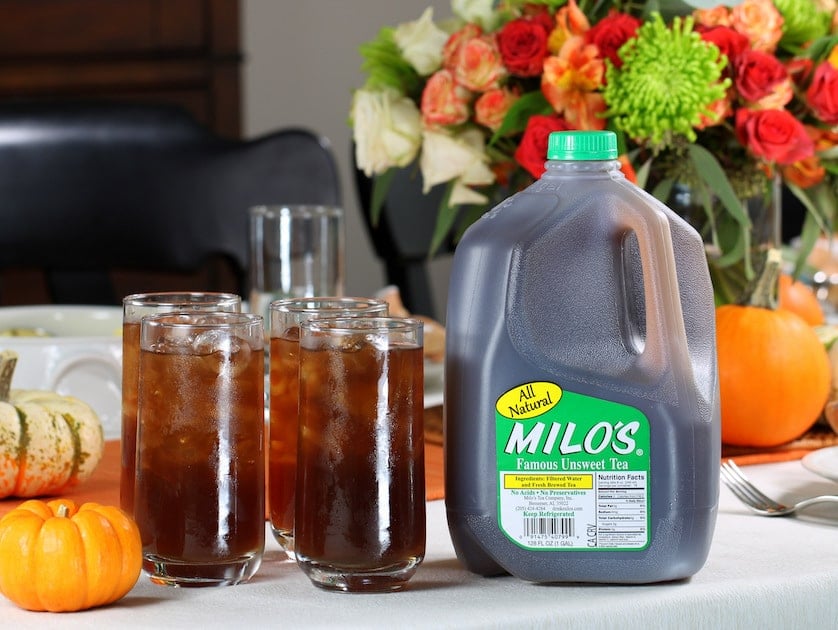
{"type": "Point", "coordinates": [823, 462]}
{"type": "Point", "coordinates": [82, 356]}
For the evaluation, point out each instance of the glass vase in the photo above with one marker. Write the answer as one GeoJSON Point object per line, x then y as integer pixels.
{"type": "Point", "coordinates": [735, 252]}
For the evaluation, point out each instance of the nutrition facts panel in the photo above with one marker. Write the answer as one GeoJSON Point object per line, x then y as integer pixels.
{"type": "Point", "coordinates": [621, 510]}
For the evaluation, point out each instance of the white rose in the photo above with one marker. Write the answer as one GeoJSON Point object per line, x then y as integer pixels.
{"type": "Point", "coordinates": [478, 11]}
{"type": "Point", "coordinates": [461, 158]}
{"type": "Point", "coordinates": [421, 43]}
{"type": "Point", "coordinates": [386, 128]}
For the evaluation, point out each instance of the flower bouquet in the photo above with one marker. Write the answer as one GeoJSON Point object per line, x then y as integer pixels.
{"type": "Point", "coordinates": [728, 100]}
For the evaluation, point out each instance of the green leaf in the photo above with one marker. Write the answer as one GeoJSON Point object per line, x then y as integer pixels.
{"type": "Point", "coordinates": [445, 219]}
{"type": "Point", "coordinates": [516, 118]}
{"type": "Point", "coordinates": [663, 189]}
{"type": "Point", "coordinates": [819, 202]}
{"type": "Point", "coordinates": [734, 244]}
{"type": "Point", "coordinates": [643, 176]}
{"type": "Point", "coordinates": [380, 188]}
{"type": "Point", "coordinates": [707, 167]}
{"type": "Point", "coordinates": [808, 237]}
{"type": "Point", "coordinates": [819, 49]}
{"type": "Point", "coordinates": [386, 66]}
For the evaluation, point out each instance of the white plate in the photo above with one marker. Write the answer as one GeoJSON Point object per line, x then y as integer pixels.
{"type": "Point", "coordinates": [81, 358]}
{"type": "Point", "coordinates": [434, 381]}
{"type": "Point", "coordinates": [823, 462]}
{"type": "Point", "coordinates": [65, 321]}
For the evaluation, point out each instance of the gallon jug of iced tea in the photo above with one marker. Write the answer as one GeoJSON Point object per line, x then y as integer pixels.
{"type": "Point", "coordinates": [582, 431]}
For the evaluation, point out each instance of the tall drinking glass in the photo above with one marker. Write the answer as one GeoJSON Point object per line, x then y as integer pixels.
{"type": "Point", "coordinates": [134, 308]}
{"type": "Point", "coordinates": [296, 250]}
{"type": "Point", "coordinates": [286, 317]}
{"type": "Point", "coordinates": [199, 498]}
{"type": "Point", "coordinates": [360, 501]}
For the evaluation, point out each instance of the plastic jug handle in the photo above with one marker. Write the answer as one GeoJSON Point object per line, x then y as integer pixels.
{"type": "Point", "coordinates": [666, 333]}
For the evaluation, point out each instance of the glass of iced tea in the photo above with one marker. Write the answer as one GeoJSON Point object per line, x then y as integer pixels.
{"type": "Point", "coordinates": [134, 308]}
{"type": "Point", "coordinates": [360, 496]}
{"type": "Point", "coordinates": [199, 497]}
{"type": "Point", "coordinates": [286, 317]}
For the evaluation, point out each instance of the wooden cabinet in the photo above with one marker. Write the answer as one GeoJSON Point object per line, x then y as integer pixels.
{"type": "Point", "coordinates": [173, 51]}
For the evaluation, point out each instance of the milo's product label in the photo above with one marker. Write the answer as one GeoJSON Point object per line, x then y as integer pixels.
{"type": "Point", "coordinates": [573, 470]}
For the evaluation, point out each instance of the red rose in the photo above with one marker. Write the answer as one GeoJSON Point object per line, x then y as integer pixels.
{"type": "Point", "coordinates": [531, 154]}
{"type": "Point", "coordinates": [729, 42]}
{"type": "Point", "coordinates": [610, 33]}
{"type": "Point", "coordinates": [757, 73]}
{"type": "Point", "coordinates": [523, 46]}
{"type": "Point", "coordinates": [823, 93]}
{"type": "Point", "coordinates": [540, 14]}
{"type": "Point", "coordinates": [774, 135]}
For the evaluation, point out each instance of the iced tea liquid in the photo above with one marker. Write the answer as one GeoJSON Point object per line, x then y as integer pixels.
{"type": "Point", "coordinates": [284, 396]}
{"type": "Point", "coordinates": [130, 378]}
{"type": "Point", "coordinates": [360, 506]}
{"type": "Point", "coordinates": [199, 495]}
{"type": "Point", "coordinates": [286, 317]}
{"type": "Point", "coordinates": [134, 308]}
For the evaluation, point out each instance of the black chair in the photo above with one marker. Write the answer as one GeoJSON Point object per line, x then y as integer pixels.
{"type": "Point", "coordinates": [91, 194]}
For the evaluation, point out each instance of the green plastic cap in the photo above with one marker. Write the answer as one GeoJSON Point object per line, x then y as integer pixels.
{"type": "Point", "coordinates": [582, 145]}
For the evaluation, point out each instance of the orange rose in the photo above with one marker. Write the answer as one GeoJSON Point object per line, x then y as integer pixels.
{"type": "Point", "coordinates": [444, 102]}
{"type": "Point", "coordinates": [491, 107]}
{"type": "Point", "coordinates": [478, 64]}
{"type": "Point", "coordinates": [804, 173]}
{"type": "Point", "coordinates": [451, 50]}
{"type": "Point", "coordinates": [760, 22]}
{"type": "Point", "coordinates": [780, 96]}
{"type": "Point", "coordinates": [809, 171]}
{"type": "Point", "coordinates": [717, 16]}
{"type": "Point", "coordinates": [719, 110]}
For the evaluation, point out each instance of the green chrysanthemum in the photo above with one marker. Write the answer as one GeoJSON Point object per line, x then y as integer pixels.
{"type": "Point", "coordinates": [803, 22]}
{"type": "Point", "coordinates": [669, 78]}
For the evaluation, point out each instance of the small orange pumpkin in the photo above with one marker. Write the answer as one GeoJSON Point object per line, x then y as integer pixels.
{"type": "Point", "coordinates": [58, 558]}
{"type": "Point", "coordinates": [799, 298]}
{"type": "Point", "coordinates": [774, 373]}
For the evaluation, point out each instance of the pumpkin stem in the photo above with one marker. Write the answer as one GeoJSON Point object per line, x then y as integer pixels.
{"type": "Point", "coordinates": [63, 511]}
{"type": "Point", "coordinates": [765, 291]}
{"type": "Point", "coordinates": [8, 362]}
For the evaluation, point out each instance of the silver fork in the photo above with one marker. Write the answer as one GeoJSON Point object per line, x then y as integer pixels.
{"type": "Point", "coordinates": [752, 497]}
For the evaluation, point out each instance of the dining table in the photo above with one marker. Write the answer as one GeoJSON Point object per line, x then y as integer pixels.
{"type": "Point", "coordinates": [760, 573]}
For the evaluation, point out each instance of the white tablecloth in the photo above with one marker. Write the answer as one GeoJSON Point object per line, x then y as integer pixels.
{"type": "Point", "coordinates": [762, 573]}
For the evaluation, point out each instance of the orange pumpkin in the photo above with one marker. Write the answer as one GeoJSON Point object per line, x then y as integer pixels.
{"type": "Point", "coordinates": [799, 298]}
{"type": "Point", "coordinates": [57, 558]}
{"type": "Point", "coordinates": [774, 373]}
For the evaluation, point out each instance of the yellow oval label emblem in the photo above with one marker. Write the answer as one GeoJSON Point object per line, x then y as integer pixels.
{"type": "Point", "coordinates": [528, 400]}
